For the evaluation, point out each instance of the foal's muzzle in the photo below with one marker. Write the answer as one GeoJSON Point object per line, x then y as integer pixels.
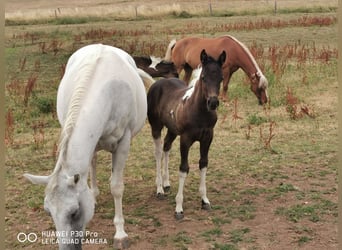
{"type": "Point", "coordinates": [212, 102]}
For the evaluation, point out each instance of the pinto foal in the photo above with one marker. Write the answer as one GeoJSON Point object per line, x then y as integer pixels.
{"type": "Point", "coordinates": [191, 116]}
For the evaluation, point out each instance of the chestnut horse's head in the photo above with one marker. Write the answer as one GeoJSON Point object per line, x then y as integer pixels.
{"type": "Point", "coordinates": [211, 78]}
{"type": "Point", "coordinates": [259, 87]}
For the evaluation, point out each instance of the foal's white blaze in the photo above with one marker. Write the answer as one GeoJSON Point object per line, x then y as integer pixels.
{"type": "Point", "coordinates": [179, 196]}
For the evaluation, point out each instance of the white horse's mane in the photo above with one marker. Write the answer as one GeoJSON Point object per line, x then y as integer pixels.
{"type": "Point", "coordinates": [83, 77]}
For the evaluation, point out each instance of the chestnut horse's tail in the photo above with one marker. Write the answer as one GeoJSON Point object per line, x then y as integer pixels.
{"type": "Point", "coordinates": [169, 50]}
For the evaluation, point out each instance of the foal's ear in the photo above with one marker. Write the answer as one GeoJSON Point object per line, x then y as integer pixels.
{"type": "Point", "coordinates": [37, 179]}
{"type": "Point", "coordinates": [222, 58]}
{"type": "Point", "coordinates": [204, 57]}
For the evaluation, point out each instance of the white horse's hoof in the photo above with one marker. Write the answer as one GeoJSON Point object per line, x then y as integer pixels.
{"type": "Point", "coordinates": [121, 243]}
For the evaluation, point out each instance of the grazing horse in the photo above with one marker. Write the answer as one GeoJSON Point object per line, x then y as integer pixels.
{"type": "Point", "coordinates": [156, 67]}
{"type": "Point", "coordinates": [101, 105]}
{"type": "Point", "coordinates": [184, 54]}
{"type": "Point", "coordinates": [189, 112]}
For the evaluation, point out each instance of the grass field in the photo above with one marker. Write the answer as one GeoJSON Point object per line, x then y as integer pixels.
{"type": "Point", "coordinates": [272, 177]}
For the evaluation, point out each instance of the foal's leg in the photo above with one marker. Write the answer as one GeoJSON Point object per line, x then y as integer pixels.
{"type": "Point", "coordinates": [158, 155]}
{"type": "Point", "coordinates": [168, 140]}
{"type": "Point", "coordinates": [93, 183]}
{"type": "Point", "coordinates": [183, 172]}
{"type": "Point", "coordinates": [119, 158]}
{"type": "Point", "coordinates": [203, 164]}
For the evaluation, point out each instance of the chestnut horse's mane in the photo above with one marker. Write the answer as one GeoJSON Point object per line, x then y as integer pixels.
{"type": "Point", "coordinates": [246, 50]}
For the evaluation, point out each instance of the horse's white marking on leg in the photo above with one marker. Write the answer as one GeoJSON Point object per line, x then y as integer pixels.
{"type": "Point", "coordinates": [179, 196]}
{"type": "Point", "coordinates": [158, 155]}
{"type": "Point", "coordinates": [117, 187]}
{"type": "Point", "coordinates": [202, 187]}
{"type": "Point", "coordinates": [166, 178]}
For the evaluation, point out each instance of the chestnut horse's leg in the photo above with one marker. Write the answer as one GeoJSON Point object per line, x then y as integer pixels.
{"type": "Point", "coordinates": [203, 164]}
{"type": "Point", "coordinates": [188, 72]}
{"type": "Point", "coordinates": [185, 145]}
{"type": "Point", "coordinates": [226, 79]}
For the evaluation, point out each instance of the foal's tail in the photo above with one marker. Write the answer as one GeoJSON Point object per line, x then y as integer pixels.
{"type": "Point", "coordinates": [147, 79]}
{"type": "Point", "coordinates": [169, 50]}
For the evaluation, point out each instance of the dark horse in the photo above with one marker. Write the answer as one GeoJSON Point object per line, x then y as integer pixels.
{"type": "Point", "coordinates": [184, 54]}
{"type": "Point", "coordinates": [190, 115]}
{"type": "Point", "coordinates": [156, 67]}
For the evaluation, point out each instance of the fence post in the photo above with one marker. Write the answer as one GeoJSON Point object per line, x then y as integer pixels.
{"type": "Point", "coordinates": [210, 8]}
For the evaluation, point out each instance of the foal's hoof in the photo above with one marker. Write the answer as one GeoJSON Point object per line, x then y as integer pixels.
{"type": "Point", "coordinates": [206, 206]}
{"type": "Point", "coordinates": [167, 189]}
{"type": "Point", "coordinates": [161, 196]}
{"type": "Point", "coordinates": [121, 243]}
{"type": "Point", "coordinates": [179, 215]}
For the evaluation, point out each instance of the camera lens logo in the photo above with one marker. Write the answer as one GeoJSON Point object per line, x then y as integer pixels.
{"type": "Point", "coordinates": [30, 237]}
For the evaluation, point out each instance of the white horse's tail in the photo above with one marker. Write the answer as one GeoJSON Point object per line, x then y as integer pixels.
{"type": "Point", "coordinates": [147, 79]}
{"type": "Point", "coordinates": [169, 50]}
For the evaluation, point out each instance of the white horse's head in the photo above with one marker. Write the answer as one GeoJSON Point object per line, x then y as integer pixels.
{"type": "Point", "coordinates": [70, 202]}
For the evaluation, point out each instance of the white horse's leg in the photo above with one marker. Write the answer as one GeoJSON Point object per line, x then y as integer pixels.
{"type": "Point", "coordinates": [93, 183]}
{"type": "Point", "coordinates": [119, 158]}
{"type": "Point", "coordinates": [166, 177]}
{"type": "Point", "coordinates": [179, 197]}
{"type": "Point", "coordinates": [158, 155]}
{"type": "Point", "coordinates": [203, 190]}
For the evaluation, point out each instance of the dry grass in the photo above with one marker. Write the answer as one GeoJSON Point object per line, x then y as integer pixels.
{"type": "Point", "coordinates": [34, 9]}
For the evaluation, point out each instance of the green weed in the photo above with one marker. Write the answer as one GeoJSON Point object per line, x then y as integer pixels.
{"type": "Point", "coordinates": [238, 235]}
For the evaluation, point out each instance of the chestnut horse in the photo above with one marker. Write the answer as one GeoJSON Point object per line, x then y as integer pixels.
{"type": "Point", "coordinates": [190, 115]}
{"type": "Point", "coordinates": [184, 54]}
